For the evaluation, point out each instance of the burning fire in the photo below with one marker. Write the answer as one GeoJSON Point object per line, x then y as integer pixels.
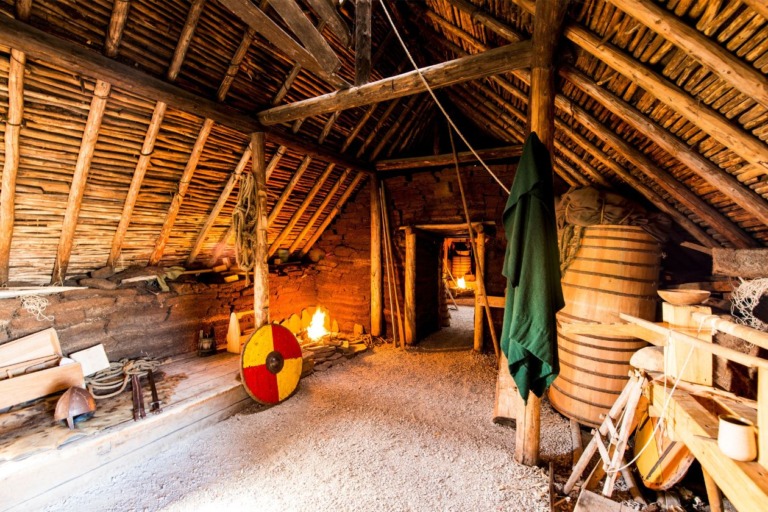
{"type": "Point", "coordinates": [316, 329]}
{"type": "Point", "coordinates": [461, 283]}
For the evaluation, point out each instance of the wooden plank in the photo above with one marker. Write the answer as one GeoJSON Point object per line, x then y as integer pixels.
{"type": "Point", "coordinates": [261, 268]}
{"type": "Point", "coordinates": [234, 178]}
{"type": "Point", "coordinates": [498, 60]}
{"type": "Point", "coordinates": [327, 12]}
{"type": "Point", "coordinates": [415, 162]}
{"type": "Point", "coordinates": [34, 346]}
{"type": "Point", "coordinates": [311, 222]}
{"type": "Point", "coordinates": [181, 192]}
{"type": "Point", "coordinates": [40, 383]}
{"type": "Point", "coordinates": [377, 288]}
{"type": "Point", "coordinates": [79, 179]}
{"type": "Point", "coordinates": [117, 21]}
{"type": "Point", "coordinates": [744, 263]}
{"type": "Point", "coordinates": [278, 206]}
{"type": "Point", "coordinates": [138, 177]}
{"type": "Point", "coordinates": [739, 75]}
{"type": "Point", "coordinates": [410, 286]}
{"type": "Point", "coordinates": [182, 45]}
{"type": "Point", "coordinates": [312, 39]}
{"type": "Point", "coordinates": [363, 10]}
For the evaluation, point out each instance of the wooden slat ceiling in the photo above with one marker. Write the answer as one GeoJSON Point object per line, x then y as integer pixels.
{"type": "Point", "coordinates": [634, 110]}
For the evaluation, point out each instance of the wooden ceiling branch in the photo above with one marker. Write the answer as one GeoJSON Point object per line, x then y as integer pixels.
{"type": "Point", "coordinates": [178, 197]}
{"type": "Point", "coordinates": [375, 131]}
{"type": "Point", "coordinates": [326, 11]}
{"type": "Point", "coordinates": [359, 126]}
{"type": "Point", "coordinates": [234, 64]}
{"type": "Point", "coordinates": [416, 162]}
{"type": "Point", "coordinates": [185, 38]}
{"type": "Point", "coordinates": [498, 60]}
{"type": "Point", "coordinates": [117, 21]}
{"type": "Point", "coordinates": [278, 206]}
{"type": "Point", "coordinates": [311, 222]}
{"type": "Point", "coordinates": [363, 10]}
{"type": "Point", "coordinates": [406, 112]}
{"type": "Point", "coordinates": [741, 76]}
{"type": "Point", "coordinates": [79, 179]}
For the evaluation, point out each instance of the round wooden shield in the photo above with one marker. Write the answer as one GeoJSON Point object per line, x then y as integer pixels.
{"type": "Point", "coordinates": [270, 364]}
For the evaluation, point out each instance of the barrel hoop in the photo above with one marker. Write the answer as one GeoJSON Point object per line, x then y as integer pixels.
{"type": "Point", "coordinates": [623, 249]}
{"type": "Point", "coordinates": [617, 262]}
{"type": "Point", "coordinates": [619, 377]}
{"type": "Point", "coordinates": [653, 243]}
{"type": "Point", "coordinates": [591, 388]}
{"type": "Point", "coordinates": [593, 404]}
{"type": "Point", "coordinates": [591, 358]}
{"type": "Point", "coordinates": [611, 349]}
{"type": "Point", "coordinates": [613, 276]}
{"type": "Point", "coordinates": [593, 336]}
{"type": "Point", "coordinates": [620, 294]}
{"type": "Point", "coordinates": [580, 419]}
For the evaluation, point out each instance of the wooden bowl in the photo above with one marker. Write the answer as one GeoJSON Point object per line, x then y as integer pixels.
{"type": "Point", "coordinates": [684, 297]}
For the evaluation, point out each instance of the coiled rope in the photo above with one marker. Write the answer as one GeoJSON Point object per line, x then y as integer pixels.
{"type": "Point", "coordinates": [113, 380]}
{"type": "Point", "coordinates": [244, 223]}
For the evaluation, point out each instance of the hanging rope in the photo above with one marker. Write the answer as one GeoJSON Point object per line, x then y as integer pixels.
{"type": "Point", "coordinates": [244, 223]}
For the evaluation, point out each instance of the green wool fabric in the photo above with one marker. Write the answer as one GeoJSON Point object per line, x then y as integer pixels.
{"type": "Point", "coordinates": [532, 269]}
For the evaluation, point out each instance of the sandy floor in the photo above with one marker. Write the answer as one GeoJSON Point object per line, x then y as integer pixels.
{"type": "Point", "coordinates": [385, 431]}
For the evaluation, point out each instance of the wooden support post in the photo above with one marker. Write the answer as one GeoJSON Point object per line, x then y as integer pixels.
{"type": "Point", "coordinates": [362, 41]}
{"type": "Point", "coordinates": [527, 430]}
{"type": "Point", "coordinates": [714, 494]}
{"type": "Point", "coordinates": [261, 268]}
{"type": "Point", "coordinates": [79, 179]}
{"type": "Point", "coordinates": [410, 286]}
{"type": "Point", "coordinates": [479, 288]}
{"type": "Point", "coordinates": [683, 361]}
{"type": "Point", "coordinates": [762, 417]}
{"type": "Point", "coordinates": [377, 289]}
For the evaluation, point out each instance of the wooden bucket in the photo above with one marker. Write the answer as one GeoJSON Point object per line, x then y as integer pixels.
{"type": "Point", "coordinates": [461, 264]}
{"type": "Point", "coordinates": [615, 270]}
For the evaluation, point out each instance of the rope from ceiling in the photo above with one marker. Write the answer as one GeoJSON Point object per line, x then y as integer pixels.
{"type": "Point", "coordinates": [244, 223]}
{"type": "Point", "coordinates": [437, 102]}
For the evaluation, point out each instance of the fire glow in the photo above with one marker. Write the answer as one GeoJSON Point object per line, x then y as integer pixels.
{"type": "Point", "coordinates": [316, 329]}
{"type": "Point", "coordinates": [461, 283]}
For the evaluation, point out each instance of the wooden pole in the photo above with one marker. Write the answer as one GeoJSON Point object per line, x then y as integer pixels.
{"type": "Point", "coordinates": [187, 31]}
{"type": "Point", "coordinates": [362, 41]}
{"type": "Point", "coordinates": [377, 290]}
{"type": "Point", "coordinates": [261, 268]}
{"type": "Point", "coordinates": [117, 21]}
{"type": "Point", "coordinates": [410, 286]}
{"type": "Point", "coordinates": [397, 319]}
{"type": "Point", "coordinates": [480, 288]}
{"type": "Point", "coordinates": [417, 162]}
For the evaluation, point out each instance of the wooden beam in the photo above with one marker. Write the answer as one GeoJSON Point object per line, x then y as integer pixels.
{"type": "Point", "coordinates": [187, 31]}
{"type": "Point", "coordinates": [234, 178]}
{"type": "Point", "coordinates": [300, 211]}
{"type": "Point", "coordinates": [410, 286]}
{"type": "Point", "coordinates": [328, 126]}
{"type": "Point", "coordinates": [310, 36]}
{"type": "Point", "coordinates": [741, 76]}
{"type": "Point", "coordinates": [255, 18]}
{"type": "Point", "coordinates": [498, 60]}
{"type": "Point", "coordinates": [234, 64]}
{"type": "Point", "coordinates": [363, 10]}
{"type": "Point", "coordinates": [318, 212]}
{"type": "Point", "coordinates": [77, 59]}
{"type": "Point", "coordinates": [731, 135]}
{"type": "Point", "coordinates": [326, 11]}
{"type": "Point", "coordinates": [178, 197]}
{"type": "Point", "coordinates": [702, 167]}
{"type": "Point", "coordinates": [278, 206]}
{"type": "Point", "coordinates": [138, 177]}
{"type": "Point", "coordinates": [13, 123]}
{"type": "Point", "coordinates": [286, 85]}
{"type": "Point", "coordinates": [23, 9]}
{"type": "Point", "coordinates": [261, 267]}
{"type": "Point", "coordinates": [416, 162]}
{"type": "Point", "coordinates": [758, 6]}
{"type": "Point", "coordinates": [117, 21]}
{"type": "Point", "coordinates": [336, 209]}
{"type": "Point", "coordinates": [79, 179]}
{"type": "Point", "coordinates": [377, 288]}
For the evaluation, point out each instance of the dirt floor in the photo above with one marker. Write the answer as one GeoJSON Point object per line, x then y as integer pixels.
{"type": "Point", "coordinates": [387, 430]}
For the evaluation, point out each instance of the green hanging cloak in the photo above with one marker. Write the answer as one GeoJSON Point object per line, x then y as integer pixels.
{"type": "Point", "coordinates": [532, 269]}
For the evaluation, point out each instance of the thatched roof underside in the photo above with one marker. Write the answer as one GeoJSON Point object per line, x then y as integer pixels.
{"type": "Point", "coordinates": [635, 109]}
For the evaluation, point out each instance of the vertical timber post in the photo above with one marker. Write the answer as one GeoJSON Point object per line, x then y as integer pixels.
{"type": "Point", "coordinates": [548, 21]}
{"type": "Point", "coordinates": [479, 287]}
{"type": "Point", "coordinates": [261, 268]}
{"type": "Point", "coordinates": [410, 285]}
{"type": "Point", "coordinates": [377, 290]}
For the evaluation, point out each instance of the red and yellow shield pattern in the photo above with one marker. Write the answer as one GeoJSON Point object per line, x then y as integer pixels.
{"type": "Point", "coordinates": [270, 364]}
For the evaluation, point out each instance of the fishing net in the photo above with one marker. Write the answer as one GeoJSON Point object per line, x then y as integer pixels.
{"type": "Point", "coordinates": [746, 297]}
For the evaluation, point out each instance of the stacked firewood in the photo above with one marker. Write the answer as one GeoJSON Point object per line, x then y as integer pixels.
{"type": "Point", "coordinates": [319, 355]}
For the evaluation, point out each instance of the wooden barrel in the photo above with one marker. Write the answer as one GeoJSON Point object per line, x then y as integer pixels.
{"type": "Point", "coordinates": [615, 270]}
{"type": "Point", "coordinates": [461, 264]}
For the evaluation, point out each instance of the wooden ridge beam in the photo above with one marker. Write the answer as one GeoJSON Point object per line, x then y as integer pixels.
{"type": "Point", "coordinates": [79, 179]}
{"type": "Point", "coordinates": [117, 21]}
{"type": "Point", "coordinates": [498, 60]}
{"type": "Point", "coordinates": [278, 206]}
{"type": "Point", "coordinates": [178, 197]}
{"type": "Point", "coordinates": [311, 222]}
{"type": "Point", "coordinates": [255, 18]}
{"type": "Point", "coordinates": [416, 162]}
{"type": "Point", "coordinates": [717, 126]}
{"type": "Point", "coordinates": [332, 214]}
{"type": "Point", "coordinates": [326, 11]}
{"type": "Point", "coordinates": [182, 45]}
{"type": "Point", "coordinates": [13, 123]}
{"type": "Point", "coordinates": [138, 177]}
{"type": "Point", "coordinates": [78, 59]}
{"type": "Point", "coordinates": [300, 211]}
{"type": "Point", "coordinates": [741, 76]}
{"type": "Point", "coordinates": [310, 36]}
{"type": "Point", "coordinates": [234, 64]}
{"type": "Point", "coordinates": [234, 178]}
